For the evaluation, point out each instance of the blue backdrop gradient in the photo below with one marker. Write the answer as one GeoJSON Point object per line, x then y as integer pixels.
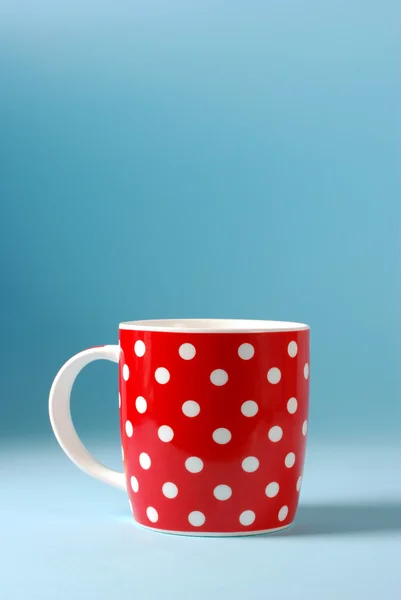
{"type": "Point", "coordinates": [166, 159]}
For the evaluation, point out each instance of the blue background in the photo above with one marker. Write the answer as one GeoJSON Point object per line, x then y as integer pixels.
{"type": "Point", "coordinates": [199, 159]}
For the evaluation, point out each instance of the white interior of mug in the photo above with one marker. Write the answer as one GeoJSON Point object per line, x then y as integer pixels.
{"type": "Point", "coordinates": [213, 325]}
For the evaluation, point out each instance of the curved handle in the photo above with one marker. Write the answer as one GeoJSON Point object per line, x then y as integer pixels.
{"type": "Point", "coordinates": [60, 415]}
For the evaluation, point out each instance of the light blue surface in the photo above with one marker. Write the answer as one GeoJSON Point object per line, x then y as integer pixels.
{"type": "Point", "coordinates": [67, 536]}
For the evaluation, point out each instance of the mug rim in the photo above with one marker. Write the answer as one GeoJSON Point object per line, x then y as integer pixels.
{"type": "Point", "coordinates": [213, 326]}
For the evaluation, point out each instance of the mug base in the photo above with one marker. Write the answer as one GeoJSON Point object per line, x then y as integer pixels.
{"type": "Point", "coordinates": [215, 533]}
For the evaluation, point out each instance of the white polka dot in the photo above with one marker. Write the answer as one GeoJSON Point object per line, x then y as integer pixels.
{"type": "Point", "coordinates": [299, 483]}
{"type": "Point", "coordinates": [289, 460]}
{"type": "Point", "coordinates": [222, 492]}
{"type": "Point", "coordinates": [221, 435]}
{"type": "Point", "coordinates": [304, 427]}
{"type": "Point", "coordinates": [196, 518]}
{"type": "Point", "coordinates": [246, 351]}
{"type": "Point", "coordinates": [272, 489]}
{"type": "Point", "coordinates": [141, 404]}
{"type": "Point", "coordinates": [282, 513]}
{"type": "Point", "coordinates": [292, 405]}
{"type": "Point", "coordinates": [274, 375]}
{"type": "Point", "coordinates": [165, 433]}
{"type": "Point", "coordinates": [190, 408]}
{"type": "Point", "coordinates": [162, 375]}
{"type": "Point", "coordinates": [122, 453]}
{"type": "Point", "coordinates": [129, 430]}
{"type": "Point", "coordinates": [219, 377]}
{"type": "Point", "coordinates": [169, 489]}
{"type": "Point", "coordinates": [139, 348]}
{"type": "Point", "coordinates": [152, 514]}
{"type": "Point", "coordinates": [193, 464]}
{"type": "Point", "coordinates": [306, 371]}
{"type": "Point", "coordinates": [187, 351]}
{"type": "Point", "coordinates": [250, 464]}
{"type": "Point", "coordinates": [247, 517]}
{"type": "Point", "coordinates": [125, 372]}
{"type": "Point", "coordinates": [144, 461]}
{"type": "Point", "coordinates": [134, 484]}
{"type": "Point", "coordinates": [130, 505]}
{"type": "Point", "coordinates": [292, 349]}
{"type": "Point", "coordinates": [249, 408]}
{"type": "Point", "coordinates": [275, 433]}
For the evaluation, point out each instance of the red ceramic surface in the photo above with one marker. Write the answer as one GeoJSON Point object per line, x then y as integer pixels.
{"type": "Point", "coordinates": [213, 428]}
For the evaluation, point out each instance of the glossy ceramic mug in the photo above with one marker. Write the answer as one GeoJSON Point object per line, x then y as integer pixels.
{"type": "Point", "coordinates": [213, 419]}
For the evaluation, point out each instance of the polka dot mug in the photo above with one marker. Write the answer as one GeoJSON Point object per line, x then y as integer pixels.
{"type": "Point", "coordinates": [213, 420]}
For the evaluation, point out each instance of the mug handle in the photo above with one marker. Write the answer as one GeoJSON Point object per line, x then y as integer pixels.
{"type": "Point", "coordinates": [60, 415]}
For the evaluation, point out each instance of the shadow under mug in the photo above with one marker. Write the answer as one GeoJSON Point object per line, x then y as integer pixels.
{"type": "Point", "coordinates": [213, 421]}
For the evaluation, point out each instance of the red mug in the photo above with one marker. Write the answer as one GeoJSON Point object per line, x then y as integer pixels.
{"type": "Point", "coordinates": [213, 421]}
